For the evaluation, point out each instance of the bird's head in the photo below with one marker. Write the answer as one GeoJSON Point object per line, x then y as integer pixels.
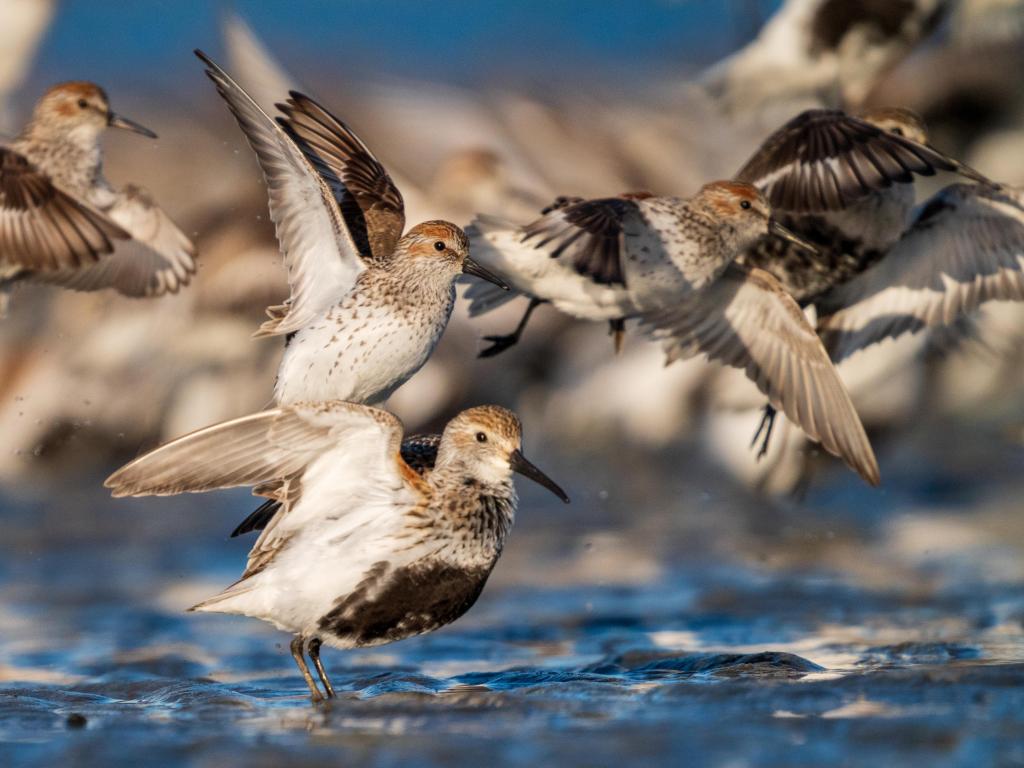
{"type": "Point", "coordinates": [486, 442]}
{"type": "Point", "coordinates": [902, 122]}
{"type": "Point", "coordinates": [79, 111]}
{"type": "Point", "coordinates": [744, 214]}
{"type": "Point", "coordinates": [444, 249]}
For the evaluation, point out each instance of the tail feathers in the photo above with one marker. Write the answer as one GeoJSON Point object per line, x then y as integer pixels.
{"type": "Point", "coordinates": [226, 601]}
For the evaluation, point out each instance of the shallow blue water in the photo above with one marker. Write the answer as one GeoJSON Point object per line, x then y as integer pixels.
{"type": "Point", "coordinates": [707, 625]}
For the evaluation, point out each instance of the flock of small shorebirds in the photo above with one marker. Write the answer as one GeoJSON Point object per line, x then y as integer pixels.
{"type": "Point", "coordinates": [367, 536]}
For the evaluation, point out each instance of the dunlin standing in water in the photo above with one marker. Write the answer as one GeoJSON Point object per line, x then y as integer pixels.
{"type": "Point", "coordinates": [368, 304]}
{"type": "Point", "coordinates": [366, 548]}
{"type": "Point", "coordinates": [62, 222]}
{"type": "Point", "coordinates": [669, 262]}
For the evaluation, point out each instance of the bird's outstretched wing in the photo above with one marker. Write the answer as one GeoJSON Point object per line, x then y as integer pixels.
{"type": "Point", "coordinates": [158, 259]}
{"type": "Point", "coordinates": [256, 449]}
{"type": "Point", "coordinates": [826, 160]}
{"type": "Point", "coordinates": [42, 228]}
{"type": "Point", "coordinates": [341, 457]}
{"type": "Point", "coordinates": [320, 253]}
{"type": "Point", "coordinates": [587, 232]}
{"type": "Point", "coordinates": [965, 247]}
{"type": "Point", "coordinates": [368, 198]}
{"type": "Point", "coordinates": [746, 320]}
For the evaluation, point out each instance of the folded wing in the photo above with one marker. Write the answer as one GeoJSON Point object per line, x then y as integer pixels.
{"type": "Point", "coordinates": [966, 247]}
{"type": "Point", "coordinates": [745, 320]}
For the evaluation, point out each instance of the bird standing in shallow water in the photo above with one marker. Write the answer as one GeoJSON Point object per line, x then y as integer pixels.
{"type": "Point", "coordinates": [365, 549]}
{"type": "Point", "coordinates": [368, 304]}
{"type": "Point", "coordinates": [62, 222]}
{"type": "Point", "coordinates": [669, 262]}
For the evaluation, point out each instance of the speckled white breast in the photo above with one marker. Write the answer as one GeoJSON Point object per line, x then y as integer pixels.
{"type": "Point", "coordinates": [670, 253]}
{"type": "Point", "coordinates": [361, 351]}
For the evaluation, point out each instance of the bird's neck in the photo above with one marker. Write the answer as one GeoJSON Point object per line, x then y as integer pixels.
{"type": "Point", "coordinates": [714, 242]}
{"type": "Point", "coordinates": [420, 281]}
{"type": "Point", "coordinates": [74, 159]}
{"type": "Point", "coordinates": [476, 515]}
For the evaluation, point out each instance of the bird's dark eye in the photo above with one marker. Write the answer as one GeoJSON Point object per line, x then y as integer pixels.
{"type": "Point", "coordinates": [82, 103]}
{"type": "Point", "coordinates": [481, 437]}
{"type": "Point", "coordinates": [745, 205]}
{"type": "Point", "coordinates": [439, 246]}
{"type": "Point", "coordinates": [898, 131]}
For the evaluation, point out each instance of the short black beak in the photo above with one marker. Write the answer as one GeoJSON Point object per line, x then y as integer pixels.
{"type": "Point", "coordinates": [519, 464]}
{"type": "Point", "coordinates": [470, 267]}
{"type": "Point", "coordinates": [777, 229]}
{"type": "Point", "coordinates": [116, 121]}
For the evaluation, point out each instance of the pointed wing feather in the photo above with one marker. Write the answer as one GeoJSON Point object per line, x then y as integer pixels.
{"type": "Point", "coordinates": [588, 232]}
{"type": "Point", "coordinates": [745, 320]}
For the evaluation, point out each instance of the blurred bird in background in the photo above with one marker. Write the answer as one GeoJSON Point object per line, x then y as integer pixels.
{"type": "Point", "coordinates": [62, 222]}
{"type": "Point", "coordinates": [506, 150]}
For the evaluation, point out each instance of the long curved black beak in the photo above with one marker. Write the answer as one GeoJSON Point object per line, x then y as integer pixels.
{"type": "Point", "coordinates": [777, 229]}
{"type": "Point", "coordinates": [519, 464]}
{"type": "Point", "coordinates": [470, 267]}
{"type": "Point", "coordinates": [116, 121]}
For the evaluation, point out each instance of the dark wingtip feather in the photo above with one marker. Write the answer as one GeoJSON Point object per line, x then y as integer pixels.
{"type": "Point", "coordinates": [258, 519]}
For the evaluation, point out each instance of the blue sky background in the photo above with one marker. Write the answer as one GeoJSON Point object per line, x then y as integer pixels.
{"type": "Point", "coordinates": [148, 42]}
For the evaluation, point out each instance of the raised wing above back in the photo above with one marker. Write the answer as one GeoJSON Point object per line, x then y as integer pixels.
{"type": "Point", "coordinates": [43, 228]}
{"type": "Point", "coordinates": [368, 198]}
{"type": "Point", "coordinates": [825, 160]}
{"type": "Point", "coordinates": [589, 232]}
{"type": "Point", "coordinates": [320, 254]}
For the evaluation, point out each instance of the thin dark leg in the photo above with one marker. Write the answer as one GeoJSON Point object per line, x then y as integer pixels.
{"type": "Point", "coordinates": [766, 426]}
{"type": "Point", "coordinates": [501, 343]}
{"type": "Point", "coordinates": [617, 330]}
{"type": "Point", "coordinates": [297, 647]}
{"type": "Point", "coordinates": [314, 654]}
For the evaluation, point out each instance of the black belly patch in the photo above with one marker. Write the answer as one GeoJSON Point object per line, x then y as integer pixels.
{"type": "Point", "coordinates": [390, 605]}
